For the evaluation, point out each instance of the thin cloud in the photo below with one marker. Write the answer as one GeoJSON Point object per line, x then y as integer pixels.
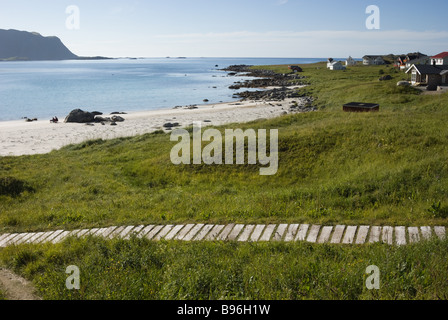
{"type": "Point", "coordinates": [309, 43]}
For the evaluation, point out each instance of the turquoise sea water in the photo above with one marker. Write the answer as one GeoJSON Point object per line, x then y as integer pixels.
{"type": "Point", "coordinates": [46, 89]}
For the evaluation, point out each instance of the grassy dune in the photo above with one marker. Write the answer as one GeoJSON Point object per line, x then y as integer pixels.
{"type": "Point", "coordinates": [374, 168]}
{"type": "Point", "coordinates": [334, 167]}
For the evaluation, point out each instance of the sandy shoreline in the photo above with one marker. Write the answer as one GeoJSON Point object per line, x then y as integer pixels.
{"type": "Point", "coordinates": [26, 138]}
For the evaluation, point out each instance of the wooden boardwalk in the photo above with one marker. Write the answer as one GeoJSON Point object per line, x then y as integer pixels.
{"type": "Point", "coordinates": [340, 234]}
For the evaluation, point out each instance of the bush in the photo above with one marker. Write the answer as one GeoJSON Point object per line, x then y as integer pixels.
{"type": "Point", "coordinates": [10, 186]}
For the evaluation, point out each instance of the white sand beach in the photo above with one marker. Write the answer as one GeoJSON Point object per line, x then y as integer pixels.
{"type": "Point", "coordinates": [26, 138]}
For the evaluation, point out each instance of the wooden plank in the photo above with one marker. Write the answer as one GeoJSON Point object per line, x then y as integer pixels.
{"type": "Point", "coordinates": [278, 235]}
{"type": "Point", "coordinates": [154, 231]}
{"type": "Point", "coordinates": [145, 231]}
{"type": "Point", "coordinates": [225, 233]}
{"type": "Point", "coordinates": [349, 235]}
{"type": "Point", "coordinates": [60, 237]}
{"type": "Point", "coordinates": [440, 232]}
{"type": "Point", "coordinates": [108, 231]}
{"type": "Point", "coordinates": [99, 232]}
{"type": "Point", "coordinates": [235, 232]}
{"type": "Point", "coordinates": [363, 231]}
{"type": "Point", "coordinates": [18, 238]}
{"type": "Point", "coordinates": [53, 236]}
{"type": "Point", "coordinates": [165, 230]}
{"type": "Point", "coordinates": [414, 235]}
{"type": "Point", "coordinates": [5, 241]}
{"type": "Point", "coordinates": [184, 231]}
{"type": "Point", "coordinates": [116, 232]}
{"type": "Point", "coordinates": [3, 236]}
{"type": "Point", "coordinates": [325, 234]}
{"type": "Point", "coordinates": [174, 231]}
{"type": "Point", "coordinates": [301, 234]}
{"type": "Point", "coordinates": [291, 232]}
{"type": "Point", "coordinates": [190, 235]}
{"type": "Point", "coordinates": [426, 232]}
{"type": "Point", "coordinates": [43, 237]}
{"type": "Point", "coordinates": [387, 235]}
{"type": "Point", "coordinates": [400, 236]}
{"type": "Point", "coordinates": [337, 234]}
{"type": "Point", "coordinates": [33, 238]}
{"type": "Point", "coordinates": [375, 234]}
{"type": "Point", "coordinates": [257, 232]}
{"type": "Point", "coordinates": [125, 232]}
{"type": "Point", "coordinates": [134, 232]}
{"type": "Point", "coordinates": [314, 232]}
{"type": "Point", "coordinates": [215, 232]}
{"type": "Point", "coordinates": [25, 238]}
{"type": "Point", "coordinates": [246, 233]}
{"type": "Point", "coordinates": [92, 232]}
{"type": "Point", "coordinates": [201, 235]}
{"type": "Point", "coordinates": [73, 233]}
{"type": "Point", "coordinates": [267, 234]}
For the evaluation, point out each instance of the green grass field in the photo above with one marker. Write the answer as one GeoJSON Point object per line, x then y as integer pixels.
{"type": "Point", "coordinates": [379, 168]}
{"type": "Point", "coordinates": [142, 270]}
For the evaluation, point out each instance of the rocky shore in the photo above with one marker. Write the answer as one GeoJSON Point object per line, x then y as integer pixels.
{"type": "Point", "coordinates": [277, 87]}
{"type": "Point", "coordinates": [268, 78]}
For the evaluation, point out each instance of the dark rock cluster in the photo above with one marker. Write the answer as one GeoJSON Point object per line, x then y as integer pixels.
{"type": "Point", "coordinates": [272, 95]}
{"type": "Point", "coordinates": [81, 116]}
{"type": "Point", "coordinates": [264, 79]}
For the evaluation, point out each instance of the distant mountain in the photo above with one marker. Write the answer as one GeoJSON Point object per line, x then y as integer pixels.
{"type": "Point", "coordinates": [22, 45]}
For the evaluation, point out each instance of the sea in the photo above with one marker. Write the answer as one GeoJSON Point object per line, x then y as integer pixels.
{"type": "Point", "coordinates": [45, 89]}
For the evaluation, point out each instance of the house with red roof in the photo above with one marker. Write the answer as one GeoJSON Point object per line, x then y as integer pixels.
{"type": "Point", "coordinates": [440, 59]}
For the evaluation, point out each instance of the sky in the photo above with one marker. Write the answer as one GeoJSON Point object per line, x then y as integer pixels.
{"type": "Point", "coordinates": [234, 28]}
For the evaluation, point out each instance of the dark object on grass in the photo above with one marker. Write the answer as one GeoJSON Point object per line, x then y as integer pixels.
{"type": "Point", "coordinates": [431, 87]}
{"type": "Point", "coordinates": [361, 107]}
{"type": "Point", "coordinates": [10, 186]}
{"type": "Point", "coordinates": [295, 68]}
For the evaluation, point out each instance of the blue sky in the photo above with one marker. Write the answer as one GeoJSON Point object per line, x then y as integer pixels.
{"type": "Point", "coordinates": [235, 28]}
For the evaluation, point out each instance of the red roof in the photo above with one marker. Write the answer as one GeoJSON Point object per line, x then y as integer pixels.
{"type": "Point", "coordinates": [441, 55]}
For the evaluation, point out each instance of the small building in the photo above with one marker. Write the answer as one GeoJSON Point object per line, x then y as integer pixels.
{"type": "Point", "coordinates": [361, 107]}
{"type": "Point", "coordinates": [404, 62]}
{"type": "Point", "coordinates": [373, 60]}
{"type": "Point", "coordinates": [423, 60]}
{"type": "Point", "coordinates": [335, 65]}
{"type": "Point", "coordinates": [295, 68]}
{"type": "Point", "coordinates": [350, 62]}
{"type": "Point", "coordinates": [430, 75]}
{"type": "Point", "coordinates": [440, 59]}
